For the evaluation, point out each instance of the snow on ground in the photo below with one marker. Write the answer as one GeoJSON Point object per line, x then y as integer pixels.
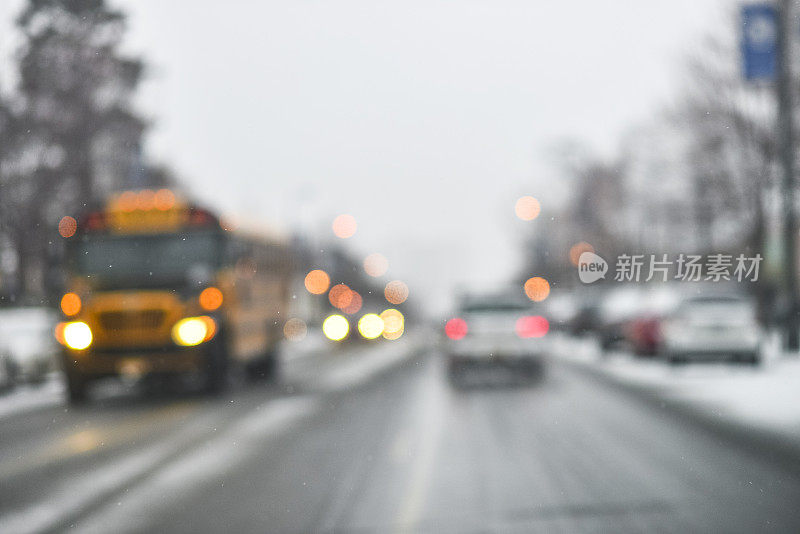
{"type": "Point", "coordinates": [25, 398]}
{"type": "Point", "coordinates": [765, 397]}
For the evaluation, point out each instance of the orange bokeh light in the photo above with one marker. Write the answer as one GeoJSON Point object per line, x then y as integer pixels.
{"type": "Point", "coordinates": [527, 208]}
{"type": "Point", "coordinates": [355, 303]}
{"type": "Point", "coordinates": [67, 226]}
{"type": "Point", "coordinates": [127, 201]}
{"type": "Point", "coordinates": [578, 249]}
{"type": "Point", "coordinates": [376, 264]}
{"type": "Point", "coordinates": [396, 292]}
{"type": "Point", "coordinates": [146, 200]}
{"type": "Point", "coordinates": [340, 296]}
{"type": "Point", "coordinates": [344, 226]}
{"type": "Point", "coordinates": [210, 298]}
{"type": "Point", "coordinates": [317, 282]}
{"type": "Point", "coordinates": [537, 288]}
{"type": "Point", "coordinates": [164, 199]}
{"type": "Point", "coordinates": [70, 304]}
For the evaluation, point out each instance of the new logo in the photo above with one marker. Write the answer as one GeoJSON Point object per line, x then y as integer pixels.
{"type": "Point", "coordinates": [591, 267]}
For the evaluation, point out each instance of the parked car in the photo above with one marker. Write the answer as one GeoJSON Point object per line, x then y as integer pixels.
{"type": "Point", "coordinates": [706, 327]}
{"type": "Point", "coordinates": [586, 319]}
{"type": "Point", "coordinates": [644, 331]}
{"type": "Point", "coordinates": [561, 309]}
{"type": "Point", "coordinates": [26, 337]}
{"type": "Point", "coordinates": [618, 307]}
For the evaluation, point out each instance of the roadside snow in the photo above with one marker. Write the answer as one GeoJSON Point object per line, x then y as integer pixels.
{"type": "Point", "coordinates": [26, 398]}
{"type": "Point", "coordinates": [765, 397]}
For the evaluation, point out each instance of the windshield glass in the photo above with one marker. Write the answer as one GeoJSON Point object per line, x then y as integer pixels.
{"type": "Point", "coordinates": [400, 266]}
{"type": "Point", "coordinates": [149, 256]}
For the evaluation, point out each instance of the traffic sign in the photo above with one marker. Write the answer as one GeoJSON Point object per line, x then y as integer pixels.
{"type": "Point", "coordinates": [760, 42]}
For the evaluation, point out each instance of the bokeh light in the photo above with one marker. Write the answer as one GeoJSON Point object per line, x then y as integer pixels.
{"type": "Point", "coordinates": [336, 327]}
{"type": "Point", "coordinates": [456, 328]}
{"type": "Point", "coordinates": [340, 296]}
{"type": "Point", "coordinates": [396, 292]}
{"type": "Point", "coordinates": [344, 226]}
{"type": "Point", "coordinates": [146, 200]}
{"type": "Point", "coordinates": [210, 298]}
{"type": "Point", "coordinates": [370, 326]}
{"type": "Point", "coordinates": [317, 282]}
{"type": "Point", "coordinates": [67, 226]}
{"type": "Point", "coordinates": [295, 329]}
{"type": "Point", "coordinates": [393, 323]}
{"type": "Point", "coordinates": [537, 288]}
{"type": "Point", "coordinates": [376, 264]}
{"type": "Point", "coordinates": [355, 303]}
{"type": "Point", "coordinates": [164, 199]}
{"type": "Point", "coordinates": [127, 201]}
{"type": "Point", "coordinates": [532, 326]}
{"type": "Point", "coordinates": [577, 249]}
{"type": "Point", "coordinates": [77, 335]}
{"type": "Point", "coordinates": [70, 304]}
{"type": "Point", "coordinates": [527, 208]}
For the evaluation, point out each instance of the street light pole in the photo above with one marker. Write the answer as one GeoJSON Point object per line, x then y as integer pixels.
{"type": "Point", "coordinates": [786, 143]}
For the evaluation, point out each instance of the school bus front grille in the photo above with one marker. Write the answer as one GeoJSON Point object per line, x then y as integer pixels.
{"type": "Point", "coordinates": [120, 321]}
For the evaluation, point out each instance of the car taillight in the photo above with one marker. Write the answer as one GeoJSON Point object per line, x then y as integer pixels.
{"type": "Point", "coordinates": [456, 328]}
{"type": "Point", "coordinates": [532, 326]}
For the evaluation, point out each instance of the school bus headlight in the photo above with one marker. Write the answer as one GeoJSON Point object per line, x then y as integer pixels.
{"type": "Point", "coordinates": [76, 335]}
{"type": "Point", "coordinates": [192, 331]}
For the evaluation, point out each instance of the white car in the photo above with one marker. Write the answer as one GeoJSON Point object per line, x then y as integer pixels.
{"type": "Point", "coordinates": [26, 338]}
{"type": "Point", "coordinates": [495, 331]}
{"type": "Point", "coordinates": [713, 327]}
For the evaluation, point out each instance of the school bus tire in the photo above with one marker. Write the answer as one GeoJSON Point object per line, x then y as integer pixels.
{"type": "Point", "coordinates": [77, 387]}
{"type": "Point", "coordinates": [217, 366]}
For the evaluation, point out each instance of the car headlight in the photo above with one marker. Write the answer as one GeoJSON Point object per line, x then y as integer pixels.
{"type": "Point", "coordinates": [192, 331]}
{"type": "Point", "coordinates": [76, 335]}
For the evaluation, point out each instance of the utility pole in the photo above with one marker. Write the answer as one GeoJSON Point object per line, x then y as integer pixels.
{"type": "Point", "coordinates": [786, 133]}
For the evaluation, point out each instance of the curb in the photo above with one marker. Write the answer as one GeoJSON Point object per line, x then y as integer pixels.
{"type": "Point", "coordinates": [779, 447]}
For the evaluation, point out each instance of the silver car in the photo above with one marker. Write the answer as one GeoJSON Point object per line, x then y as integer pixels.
{"type": "Point", "coordinates": [714, 327]}
{"type": "Point", "coordinates": [495, 331]}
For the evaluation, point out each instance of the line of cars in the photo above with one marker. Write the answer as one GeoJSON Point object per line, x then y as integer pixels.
{"type": "Point", "coordinates": [677, 322]}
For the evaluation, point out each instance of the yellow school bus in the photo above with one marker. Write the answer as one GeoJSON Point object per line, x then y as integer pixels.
{"type": "Point", "coordinates": [158, 286]}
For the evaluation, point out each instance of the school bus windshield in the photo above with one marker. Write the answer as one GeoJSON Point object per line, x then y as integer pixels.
{"type": "Point", "coordinates": [141, 257]}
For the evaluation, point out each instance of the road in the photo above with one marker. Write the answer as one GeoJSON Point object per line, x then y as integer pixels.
{"type": "Point", "coordinates": [400, 452]}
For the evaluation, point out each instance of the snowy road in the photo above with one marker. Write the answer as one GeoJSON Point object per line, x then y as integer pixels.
{"type": "Point", "coordinates": [382, 443]}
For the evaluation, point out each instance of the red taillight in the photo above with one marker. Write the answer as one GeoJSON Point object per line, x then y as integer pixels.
{"type": "Point", "coordinates": [456, 328]}
{"type": "Point", "coordinates": [532, 326]}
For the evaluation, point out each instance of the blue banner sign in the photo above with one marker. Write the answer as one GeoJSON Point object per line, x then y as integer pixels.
{"type": "Point", "coordinates": [760, 42]}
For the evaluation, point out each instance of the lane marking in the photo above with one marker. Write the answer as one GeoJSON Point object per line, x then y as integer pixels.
{"type": "Point", "coordinates": [76, 495]}
{"type": "Point", "coordinates": [102, 436]}
{"type": "Point", "coordinates": [211, 460]}
{"type": "Point", "coordinates": [433, 404]}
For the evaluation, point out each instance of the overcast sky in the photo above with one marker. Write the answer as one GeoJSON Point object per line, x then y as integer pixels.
{"type": "Point", "coordinates": [425, 119]}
